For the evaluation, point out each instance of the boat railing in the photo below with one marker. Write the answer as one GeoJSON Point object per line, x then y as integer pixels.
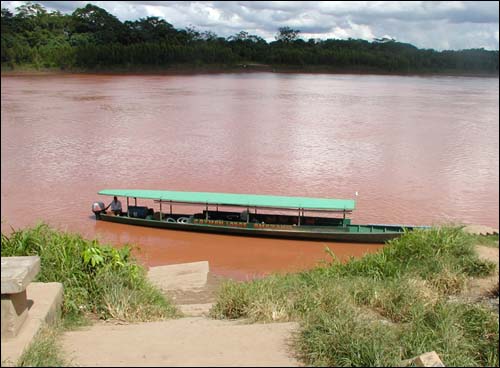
{"type": "Point", "coordinates": [376, 228]}
{"type": "Point", "coordinates": [241, 224]}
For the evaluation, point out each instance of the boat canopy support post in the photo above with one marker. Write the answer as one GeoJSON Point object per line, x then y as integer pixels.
{"type": "Point", "coordinates": [135, 201]}
{"type": "Point", "coordinates": [298, 222]}
{"type": "Point", "coordinates": [206, 212]}
{"type": "Point", "coordinates": [343, 221]}
{"type": "Point", "coordinates": [160, 209]}
{"type": "Point", "coordinates": [170, 208]}
{"type": "Point", "coordinates": [128, 211]}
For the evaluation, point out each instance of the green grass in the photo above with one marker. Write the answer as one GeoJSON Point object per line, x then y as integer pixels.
{"type": "Point", "coordinates": [98, 280]}
{"type": "Point", "coordinates": [381, 309]}
{"type": "Point", "coordinates": [44, 351]}
{"type": "Point", "coordinates": [487, 240]}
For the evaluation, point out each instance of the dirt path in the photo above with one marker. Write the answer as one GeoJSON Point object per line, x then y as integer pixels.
{"type": "Point", "coordinates": [482, 289]}
{"type": "Point", "coordinates": [194, 341]}
{"type": "Point", "coordinates": [479, 287]}
{"type": "Point", "coordinates": [488, 253]}
{"type": "Point", "coordinates": [189, 341]}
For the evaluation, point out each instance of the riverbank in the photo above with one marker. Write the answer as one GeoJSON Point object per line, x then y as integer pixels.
{"type": "Point", "coordinates": [384, 308]}
{"type": "Point", "coordinates": [426, 291]}
{"type": "Point", "coordinates": [198, 341]}
{"type": "Point", "coordinates": [190, 69]}
{"type": "Point", "coordinates": [99, 281]}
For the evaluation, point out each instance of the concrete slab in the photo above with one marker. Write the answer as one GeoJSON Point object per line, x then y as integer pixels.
{"type": "Point", "coordinates": [195, 310]}
{"type": "Point", "coordinates": [480, 230]}
{"type": "Point", "coordinates": [188, 342]}
{"type": "Point", "coordinates": [184, 276]}
{"type": "Point", "coordinates": [45, 300]}
{"type": "Point", "coordinates": [18, 272]}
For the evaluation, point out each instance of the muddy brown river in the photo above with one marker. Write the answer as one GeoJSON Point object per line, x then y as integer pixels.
{"type": "Point", "coordinates": [417, 150]}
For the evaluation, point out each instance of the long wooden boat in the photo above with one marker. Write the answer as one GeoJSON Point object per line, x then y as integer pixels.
{"type": "Point", "coordinates": [256, 217]}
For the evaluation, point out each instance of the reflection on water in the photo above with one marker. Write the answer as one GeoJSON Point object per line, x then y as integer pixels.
{"type": "Point", "coordinates": [231, 256]}
{"type": "Point", "coordinates": [418, 150]}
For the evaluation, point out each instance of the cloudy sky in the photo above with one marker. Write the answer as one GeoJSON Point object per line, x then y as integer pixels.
{"type": "Point", "coordinates": [441, 25]}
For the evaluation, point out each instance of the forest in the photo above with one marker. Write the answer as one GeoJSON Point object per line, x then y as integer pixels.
{"type": "Point", "coordinates": [92, 39]}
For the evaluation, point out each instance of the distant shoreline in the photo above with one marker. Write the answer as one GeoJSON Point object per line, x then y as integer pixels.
{"type": "Point", "coordinates": [230, 69]}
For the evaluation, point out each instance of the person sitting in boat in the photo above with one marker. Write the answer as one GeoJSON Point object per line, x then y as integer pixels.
{"type": "Point", "coordinates": [244, 215]}
{"type": "Point", "coordinates": [116, 206]}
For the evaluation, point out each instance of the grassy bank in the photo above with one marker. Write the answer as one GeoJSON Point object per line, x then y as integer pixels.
{"type": "Point", "coordinates": [97, 279]}
{"type": "Point", "coordinates": [99, 282]}
{"type": "Point", "coordinates": [381, 309]}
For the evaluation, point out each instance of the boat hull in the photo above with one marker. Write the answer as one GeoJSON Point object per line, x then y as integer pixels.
{"type": "Point", "coordinates": [339, 234]}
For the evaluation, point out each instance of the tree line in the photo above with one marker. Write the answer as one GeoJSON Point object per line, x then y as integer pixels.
{"type": "Point", "coordinates": [91, 38]}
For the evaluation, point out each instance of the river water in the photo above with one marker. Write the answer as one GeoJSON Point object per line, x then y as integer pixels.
{"type": "Point", "coordinates": [417, 150]}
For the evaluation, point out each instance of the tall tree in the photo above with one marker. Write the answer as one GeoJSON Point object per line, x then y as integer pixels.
{"type": "Point", "coordinates": [92, 19]}
{"type": "Point", "coordinates": [287, 34]}
{"type": "Point", "coordinates": [149, 29]}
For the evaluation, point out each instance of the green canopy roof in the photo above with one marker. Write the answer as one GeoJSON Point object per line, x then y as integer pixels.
{"type": "Point", "coordinates": [250, 200]}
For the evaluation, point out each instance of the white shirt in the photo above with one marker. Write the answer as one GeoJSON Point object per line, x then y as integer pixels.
{"type": "Point", "coordinates": [116, 206]}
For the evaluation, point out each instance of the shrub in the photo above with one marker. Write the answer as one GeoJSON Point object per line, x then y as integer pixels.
{"type": "Point", "coordinates": [96, 278]}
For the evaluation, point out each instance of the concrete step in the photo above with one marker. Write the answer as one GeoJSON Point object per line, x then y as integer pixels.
{"type": "Point", "coordinates": [191, 286]}
{"type": "Point", "coordinates": [45, 301]}
{"type": "Point", "coordinates": [195, 310]}
{"type": "Point", "coordinates": [188, 342]}
{"type": "Point", "coordinates": [184, 276]}
{"type": "Point", "coordinates": [480, 230]}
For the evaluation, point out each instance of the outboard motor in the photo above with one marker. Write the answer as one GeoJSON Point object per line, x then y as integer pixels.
{"type": "Point", "coordinates": [98, 208]}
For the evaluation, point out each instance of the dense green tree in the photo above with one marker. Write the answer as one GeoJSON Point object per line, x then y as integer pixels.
{"type": "Point", "coordinates": [93, 38]}
{"type": "Point", "coordinates": [147, 30]}
{"type": "Point", "coordinates": [7, 21]}
{"type": "Point", "coordinates": [105, 27]}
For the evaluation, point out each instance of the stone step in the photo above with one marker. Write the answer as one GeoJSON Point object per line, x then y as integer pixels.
{"type": "Point", "coordinates": [190, 286]}
{"type": "Point", "coordinates": [480, 230]}
{"type": "Point", "coordinates": [195, 310]}
{"type": "Point", "coordinates": [187, 342]}
{"type": "Point", "coordinates": [184, 276]}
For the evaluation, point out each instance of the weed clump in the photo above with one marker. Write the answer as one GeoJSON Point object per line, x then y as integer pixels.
{"type": "Point", "coordinates": [381, 309]}
{"type": "Point", "coordinates": [97, 278]}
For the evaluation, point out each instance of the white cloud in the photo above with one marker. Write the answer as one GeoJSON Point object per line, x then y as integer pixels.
{"type": "Point", "coordinates": [426, 24]}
